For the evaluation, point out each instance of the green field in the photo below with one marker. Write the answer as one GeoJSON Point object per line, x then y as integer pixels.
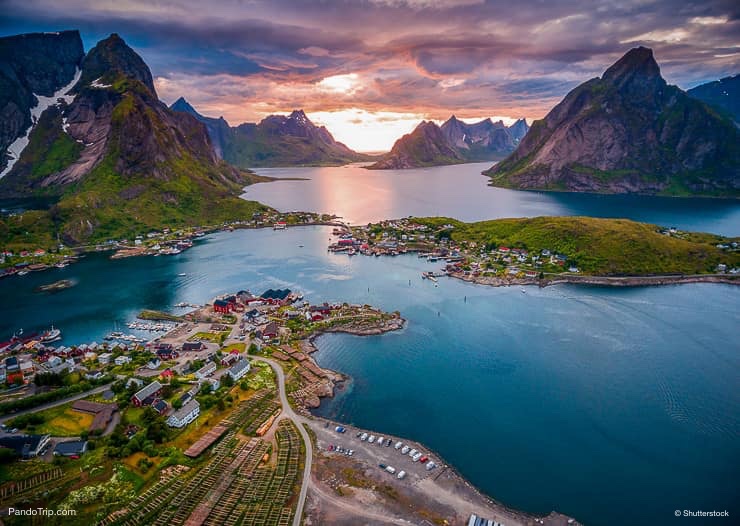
{"type": "Point", "coordinates": [597, 246]}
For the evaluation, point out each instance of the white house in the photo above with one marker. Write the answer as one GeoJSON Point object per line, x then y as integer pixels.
{"type": "Point", "coordinates": [239, 369]}
{"type": "Point", "coordinates": [186, 414]}
{"type": "Point", "coordinates": [122, 360]}
{"type": "Point", "coordinates": [207, 370]}
{"type": "Point", "coordinates": [104, 359]}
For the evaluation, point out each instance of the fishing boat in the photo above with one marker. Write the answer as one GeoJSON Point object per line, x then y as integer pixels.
{"type": "Point", "coordinates": [22, 272]}
{"type": "Point", "coordinates": [52, 335]}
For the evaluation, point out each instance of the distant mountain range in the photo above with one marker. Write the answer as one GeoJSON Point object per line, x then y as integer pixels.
{"type": "Point", "coordinates": [452, 143]}
{"type": "Point", "coordinates": [628, 132]}
{"type": "Point", "coordinates": [723, 94]}
{"type": "Point", "coordinates": [88, 131]}
{"type": "Point", "coordinates": [275, 141]}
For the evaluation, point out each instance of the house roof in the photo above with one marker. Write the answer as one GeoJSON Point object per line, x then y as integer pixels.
{"type": "Point", "coordinates": [74, 447]}
{"type": "Point", "coordinates": [239, 367]}
{"type": "Point", "coordinates": [22, 444]}
{"type": "Point", "coordinates": [276, 294]}
{"type": "Point", "coordinates": [186, 409]}
{"type": "Point", "coordinates": [160, 405]}
{"type": "Point", "coordinates": [148, 390]}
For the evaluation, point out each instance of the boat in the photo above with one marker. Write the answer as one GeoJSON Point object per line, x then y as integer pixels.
{"type": "Point", "coordinates": [22, 272]}
{"type": "Point", "coordinates": [181, 274]}
{"type": "Point", "coordinates": [61, 264]}
{"type": "Point", "coordinates": [351, 252]}
{"type": "Point", "coordinates": [52, 335]}
{"type": "Point", "coordinates": [524, 291]}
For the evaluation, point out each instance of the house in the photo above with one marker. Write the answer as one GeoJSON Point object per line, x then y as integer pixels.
{"type": "Point", "coordinates": [160, 406]}
{"type": "Point", "coordinates": [104, 359]}
{"type": "Point", "coordinates": [207, 370]}
{"type": "Point", "coordinates": [270, 330]}
{"type": "Point", "coordinates": [26, 446]}
{"type": "Point", "coordinates": [215, 383]}
{"type": "Point", "coordinates": [167, 374]}
{"type": "Point", "coordinates": [73, 448]}
{"type": "Point", "coordinates": [278, 296]}
{"type": "Point", "coordinates": [229, 359]}
{"type": "Point", "coordinates": [145, 393]}
{"type": "Point", "coordinates": [94, 375]}
{"type": "Point", "coordinates": [134, 381]}
{"type": "Point", "coordinates": [254, 313]}
{"type": "Point", "coordinates": [11, 364]}
{"type": "Point", "coordinates": [222, 306]}
{"type": "Point", "coordinates": [238, 370]}
{"type": "Point", "coordinates": [54, 361]}
{"type": "Point", "coordinates": [167, 354]}
{"type": "Point", "coordinates": [122, 360]}
{"type": "Point", "coordinates": [186, 414]}
{"type": "Point", "coordinates": [154, 364]}
{"type": "Point", "coordinates": [26, 369]}
{"type": "Point", "coordinates": [192, 346]}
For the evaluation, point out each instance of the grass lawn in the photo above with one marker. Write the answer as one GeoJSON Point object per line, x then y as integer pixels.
{"type": "Point", "coordinates": [217, 337]}
{"type": "Point", "coordinates": [63, 421]}
{"type": "Point", "coordinates": [241, 347]}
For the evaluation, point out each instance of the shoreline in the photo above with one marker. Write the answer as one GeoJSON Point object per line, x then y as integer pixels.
{"type": "Point", "coordinates": [338, 381]}
{"type": "Point", "coordinates": [600, 281]}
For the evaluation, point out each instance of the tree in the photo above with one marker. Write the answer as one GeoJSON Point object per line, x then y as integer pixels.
{"type": "Point", "coordinates": [220, 404]}
{"type": "Point", "coordinates": [177, 404]}
{"type": "Point", "coordinates": [227, 380]}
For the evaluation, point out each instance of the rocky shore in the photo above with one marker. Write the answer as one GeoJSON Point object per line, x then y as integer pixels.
{"type": "Point", "coordinates": [605, 281]}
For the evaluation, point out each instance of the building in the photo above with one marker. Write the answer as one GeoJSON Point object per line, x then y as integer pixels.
{"type": "Point", "coordinates": [238, 370]}
{"type": "Point", "coordinates": [207, 370]}
{"type": "Point", "coordinates": [122, 360]}
{"type": "Point", "coordinates": [229, 359]}
{"type": "Point", "coordinates": [276, 296]}
{"type": "Point", "coordinates": [104, 359]}
{"type": "Point", "coordinates": [186, 414]}
{"type": "Point", "coordinates": [160, 406]}
{"type": "Point", "coordinates": [192, 346]}
{"type": "Point", "coordinates": [103, 413]}
{"type": "Point", "coordinates": [270, 330]}
{"type": "Point", "coordinates": [222, 306]}
{"type": "Point", "coordinates": [215, 383]}
{"type": "Point", "coordinates": [74, 448]}
{"type": "Point", "coordinates": [26, 446]}
{"type": "Point", "coordinates": [94, 375]}
{"type": "Point", "coordinates": [146, 393]}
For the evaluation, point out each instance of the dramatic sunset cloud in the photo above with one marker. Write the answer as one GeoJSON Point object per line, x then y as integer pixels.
{"type": "Point", "coordinates": [370, 69]}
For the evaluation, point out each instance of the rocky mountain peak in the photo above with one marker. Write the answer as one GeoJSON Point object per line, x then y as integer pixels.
{"type": "Point", "coordinates": [636, 71]}
{"type": "Point", "coordinates": [112, 57]}
{"type": "Point", "coordinates": [183, 105]}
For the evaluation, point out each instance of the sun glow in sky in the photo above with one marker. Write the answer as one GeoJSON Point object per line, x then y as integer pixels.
{"type": "Point", "coordinates": [370, 71]}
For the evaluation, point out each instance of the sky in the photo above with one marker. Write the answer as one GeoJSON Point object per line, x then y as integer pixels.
{"type": "Point", "coordinates": [370, 70]}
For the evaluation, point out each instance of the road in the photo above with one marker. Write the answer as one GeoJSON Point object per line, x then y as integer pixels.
{"type": "Point", "coordinates": [62, 401]}
{"type": "Point", "coordinates": [298, 421]}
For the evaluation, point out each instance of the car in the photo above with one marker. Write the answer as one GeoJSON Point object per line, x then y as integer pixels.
{"type": "Point", "coordinates": [330, 447]}
{"type": "Point", "coordinates": [340, 429]}
{"type": "Point", "coordinates": [380, 441]}
{"type": "Point", "coordinates": [412, 452]}
{"type": "Point", "coordinates": [390, 469]}
{"type": "Point", "coordinates": [74, 457]}
{"type": "Point", "coordinates": [431, 465]}
{"type": "Point", "coordinates": [359, 434]}
{"type": "Point", "coordinates": [405, 449]}
{"type": "Point", "coordinates": [363, 437]}
{"type": "Point", "coordinates": [14, 430]}
{"type": "Point", "coordinates": [371, 439]}
{"type": "Point", "coordinates": [423, 459]}
{"type": "Point", "coordinates": [401, 474]}
{"type": "Point", "coordinates": [416, 457]}
{"type": "Point", "coordinates": [388, 442]}
{"type": "Point", "coordinates": [382, 466]}
{"type": "Point", "coordinates": [351, 452]}
{"type": "Point", "coordinates": [398, 445]}
{"type": "Point", "coordinates": [3, 427]}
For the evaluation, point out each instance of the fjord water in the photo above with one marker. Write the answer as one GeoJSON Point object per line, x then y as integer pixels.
{"type": "Point", "coordinates": [460, 191]}
{"type": "Point", "coordinates": [616, 406]}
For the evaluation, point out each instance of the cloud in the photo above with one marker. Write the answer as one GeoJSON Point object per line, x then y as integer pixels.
{"type": "Point", "coordinates": [429, 59]}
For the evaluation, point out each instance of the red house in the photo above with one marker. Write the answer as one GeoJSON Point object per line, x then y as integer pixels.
{"type": "Point", "coordinates": [222, 306]}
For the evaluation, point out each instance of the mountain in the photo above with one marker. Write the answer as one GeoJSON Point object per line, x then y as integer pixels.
{"type": "Point", "coordinates": [627, 132]}
{"type": "Point", "coordinates": [33, 68]}
{"type": "Point", "coordinates": [427, 145]}
{"type": "Point", "coordinates": [218, 129]}
{"type": "Point", "coordinates": [723, 94]}
{"type": "Point", "coordinates": [276, 141]}
{"type": "Point", "coordinates": [117, 161]}
{"type": "Point", "coordinates": [453, 142]}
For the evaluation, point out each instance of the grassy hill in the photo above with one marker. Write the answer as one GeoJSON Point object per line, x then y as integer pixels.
{"type": "Point", "coordinates": [598, 246]}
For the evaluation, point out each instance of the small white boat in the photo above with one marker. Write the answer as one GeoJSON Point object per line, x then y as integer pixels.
{"type": "Point", "coordinates": [524, 291]}
{"type": "Point", "coordinates": [182, 274]}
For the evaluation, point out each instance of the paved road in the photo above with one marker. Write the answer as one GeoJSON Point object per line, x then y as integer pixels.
{"type": "Point", "coordinates": [298, 421]}
{"type": "Point", "coordinates": [62, 401]}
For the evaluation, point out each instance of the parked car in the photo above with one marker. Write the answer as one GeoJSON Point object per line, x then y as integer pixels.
{"type": "Point", "coordinates": [401, 474]}
{"type": "Point", "coordinates": [398, 445]}
{"type": "Point", "coordinates": [340, 429]}
{"type": "Point", "coordinates": [363, 437]}
{"type": "Point", "coordinates": [423, 459]}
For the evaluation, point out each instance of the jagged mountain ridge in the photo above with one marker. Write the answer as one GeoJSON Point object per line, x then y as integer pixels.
{"type": "Point", "coordinates": [277, 140]}
{"type": "Point", "coordinates": [452, 143]}
{"type": "Point", "coordinates": [118, 160]}
{"type": "Point", "coordinates": [627, 132]}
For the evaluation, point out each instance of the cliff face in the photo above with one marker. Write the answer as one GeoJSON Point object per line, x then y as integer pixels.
{"type": "Point", "coordinates": [116, 157]}
{"type": "Point", "coordinates": [425, 146]}
{"type": "Point", "coordinates": [30, 65]}
{"type": "Point", "coordinates": [628, 131]}
{"type": "Point", "coordinates": [277, 140]}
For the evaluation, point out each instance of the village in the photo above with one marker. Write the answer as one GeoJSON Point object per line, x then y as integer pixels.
{"type": "Point", "coordinates": [163, 242]}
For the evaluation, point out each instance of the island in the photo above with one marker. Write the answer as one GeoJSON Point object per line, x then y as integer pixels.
{"type": "Point", "coordinates": [551, 250]}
